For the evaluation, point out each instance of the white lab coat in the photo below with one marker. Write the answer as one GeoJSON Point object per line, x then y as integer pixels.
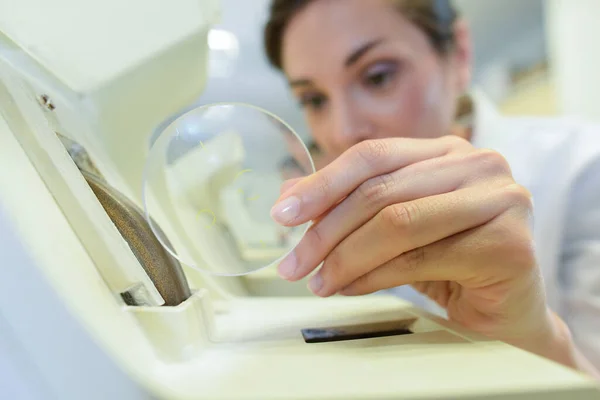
{"type": "Point", "coordinates": [558, 160]}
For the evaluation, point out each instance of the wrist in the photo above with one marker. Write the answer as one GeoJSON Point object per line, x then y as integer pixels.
{"type": "Point", "coordinates": [555, 343]}
{"type": "Point", "coordinates": [547, 338]}
{"type": "Point", "coordinates": [567, 352]}
{"type": "Point", "coordinates": [560, 346]}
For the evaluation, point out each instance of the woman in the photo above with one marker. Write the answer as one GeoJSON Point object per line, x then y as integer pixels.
{"type": "Point", "coordinates": [412, 198]}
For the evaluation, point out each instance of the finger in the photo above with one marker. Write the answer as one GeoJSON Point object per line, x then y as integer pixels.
{"type": "Point", "coordinates": [288, 184]}
{"type": "Point", "coordinates": [424, 179]}
{"type": "Point", "coordinates": [420, 287]}
{"type": "Point", "coordinates": [318, 192]}
{"type": "Point", "coordinates": [439, 291]}
{"type": "Point", "coordinates": [406, 227]}
{"type": "Point", "coordinates": [480, 257]}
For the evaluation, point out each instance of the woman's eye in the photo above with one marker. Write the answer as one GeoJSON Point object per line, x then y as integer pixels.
{"type": "Point", "coordinates": [378, 79]}
{"type": "Point", "coordinates": [380, 76]}
{"type": "Point", "coordinates": [313, 101]}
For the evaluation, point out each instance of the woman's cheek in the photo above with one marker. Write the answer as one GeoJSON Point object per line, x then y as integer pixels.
{"type": "Point", "coordinates": [434, 92]}
{"type": "Point", "coordinates": [408, 112]}
{"type": "Point", "coordinates": [429, 107]}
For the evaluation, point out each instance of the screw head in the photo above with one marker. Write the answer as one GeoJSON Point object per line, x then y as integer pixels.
{"type": "Point", "coordinates": [45, 102]}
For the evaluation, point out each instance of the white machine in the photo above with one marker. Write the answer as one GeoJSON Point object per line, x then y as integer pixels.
{"type": "Point", "coordinates": [91, 308]}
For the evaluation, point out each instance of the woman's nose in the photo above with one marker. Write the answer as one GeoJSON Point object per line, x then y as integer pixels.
{"type": "Point", "coordinates": [348, 126]}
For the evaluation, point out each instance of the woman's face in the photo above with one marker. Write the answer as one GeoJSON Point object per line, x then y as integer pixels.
{"type": "Point", "coordinates": [362, 71]}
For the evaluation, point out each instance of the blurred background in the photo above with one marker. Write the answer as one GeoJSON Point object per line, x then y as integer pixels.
{"type": "Point", "coordinates": [532, 57]}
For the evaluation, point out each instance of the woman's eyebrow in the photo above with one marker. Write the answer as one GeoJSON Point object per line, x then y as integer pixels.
{"type": "Point", "coordinates": [301, 82]}
{"type": "Point", "coordinates": [361, 51]}
{"type": "Point", "coordinates": [350, 60]}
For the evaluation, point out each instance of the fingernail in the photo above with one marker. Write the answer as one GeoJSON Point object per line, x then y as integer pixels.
{"type": "Point", "coordinates": [316, 283]}
{"type": "Point", "coordinates": [287, 268]}
{"type": "Point", "coordinates": [286, 211]}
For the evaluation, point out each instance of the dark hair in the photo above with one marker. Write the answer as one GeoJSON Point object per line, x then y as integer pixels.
{"type": "Point", "coordinates": [434, 17]}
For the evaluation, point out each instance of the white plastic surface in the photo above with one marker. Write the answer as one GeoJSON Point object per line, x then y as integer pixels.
{"type": "Point", "coordinates": [113, 120]}
{"type": "Point", "coordinates": [113, 70]}
{"type": "Point", "coordinates": [116, 263]}
{"type": "Point", "coordinates": [45, 353]}
{"type": "Point", "coordinates": [89, 44]}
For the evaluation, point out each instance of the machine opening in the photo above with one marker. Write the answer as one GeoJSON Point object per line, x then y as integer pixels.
{"type": "Point", "coordinates": [355, 332]}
